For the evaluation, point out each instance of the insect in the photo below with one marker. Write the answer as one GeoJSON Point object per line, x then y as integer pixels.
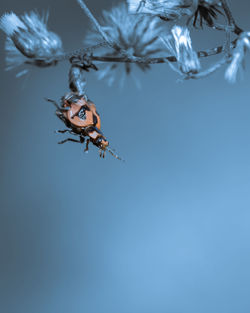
{"type": "Point", "coordinates": [81, 119]}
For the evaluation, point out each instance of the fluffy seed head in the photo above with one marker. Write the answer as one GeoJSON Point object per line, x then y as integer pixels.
{"type": "Point", "coordinates": [29, 40]}
{"type": "Point", "coordinates": [10, 23]}
{"type": "Point", "coordinates": [180, 45]}
{"type": "Point", "coordinates": [136, 35]}
{"type": "Point", "coordinates": [166, 9]}
{"type": "Point", "coordinates": [238, 58]}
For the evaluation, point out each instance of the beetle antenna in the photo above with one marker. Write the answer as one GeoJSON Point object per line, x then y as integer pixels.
{"type": "Point", "coordinates": [114, 154]}
{"type": "Point", "coordinates": [54, 102]}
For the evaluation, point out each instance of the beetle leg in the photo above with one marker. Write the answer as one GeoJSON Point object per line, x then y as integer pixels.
{"type": "Point", "coordinates": [66, 109]}
{"type": "Point", "coordinates": [87, 146]}
{"type": "Point", "coordinates": [61, 131]}
{"type": "Point", "coordinates": [101, 153]}
{"type": "Point", "coordinates": [82, 139]}
{"type": "Point", "coordinates": [69, 139]}
{"type": "Point", "coordinates": [60, 114]}
{"type": "Point", "coordinates": [65, 131]}
{"type": "Point", "coordinates": [61, 109]}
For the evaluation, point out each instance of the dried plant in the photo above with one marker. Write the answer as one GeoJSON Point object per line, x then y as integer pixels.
{"type": "Point", "coordinates": [134, 32]}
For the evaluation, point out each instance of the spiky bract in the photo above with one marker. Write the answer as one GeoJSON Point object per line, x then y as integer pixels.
{"type": "Point", "coordinates": [207, 11]}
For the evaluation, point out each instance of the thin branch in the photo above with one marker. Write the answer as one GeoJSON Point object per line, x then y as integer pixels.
{"type": "Point", "coordinates": [208, 71]}
{"type": "Point", "coordinates": [111, 44]}
{"type": "Point", "coordinates": [223, 28]}
{"type": "Point", "coordinates": [230, 18]}
{"type": "Point", "coordinates": [94, 21]}
{"type": "Point", "coordinates": [201, 54]}
{"type": "Point", "coordinates": [81, 51]}
{"type": "Point", "coordinates": [127, 59]}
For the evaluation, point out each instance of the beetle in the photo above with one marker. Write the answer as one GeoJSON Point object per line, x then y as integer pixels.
{"type": "Point", "coordinates": [81, 118]}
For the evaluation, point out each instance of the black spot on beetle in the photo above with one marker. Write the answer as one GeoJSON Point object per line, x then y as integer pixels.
{"type": "Point", "coordinates": [86, 107]}
{"type": "Point", "coordinates": [82, 114]}
{"type": "Point", "coordinates": [94, 119]}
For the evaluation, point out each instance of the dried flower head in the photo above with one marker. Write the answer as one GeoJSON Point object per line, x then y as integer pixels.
{"type": "Point", "coordinates": [165, 9]}
{"type": "Point", "coordinates": [29, 41]}
{"type": "Point", "coordinates": [207, 11]}
{"type": "Point", "coordinates": [238, 57]}
{"type": "Point", "coordinates": [180, 45]}
{"type": "Point", "coordinates": [131, 33]}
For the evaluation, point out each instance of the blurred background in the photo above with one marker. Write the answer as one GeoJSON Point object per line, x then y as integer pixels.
{"type": "Point", "coordinates": [166, 231]}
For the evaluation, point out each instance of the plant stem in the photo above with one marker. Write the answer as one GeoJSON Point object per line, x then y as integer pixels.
{"type": "Point", "coordinates": [209, 71]}
{"type": "Point", "coordinates": [81, 51]}
{"type": "Point", "coordinates": [111, 44]}
{"type": "Point", "coordinates": [230, 18]}
{"type": "Point", "coordinates": [94, 21]}
{"type": "Point", "coordinates": [201, 54]}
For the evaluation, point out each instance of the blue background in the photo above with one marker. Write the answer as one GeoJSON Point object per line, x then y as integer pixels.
{"type": "Point", "coordinates": [166, 231]}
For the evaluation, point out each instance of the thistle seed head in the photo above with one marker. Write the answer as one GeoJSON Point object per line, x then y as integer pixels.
{"type": "Point", "coordinates": [180, 45]}
{"type": "Point", "coordinates": [136, 35]}
{"type": "Point", "coordinates": [238, 57]}
{"type": "Point", "coordinates": [166, 9]}
{"type": "Point", "coordinates": [29, 41]}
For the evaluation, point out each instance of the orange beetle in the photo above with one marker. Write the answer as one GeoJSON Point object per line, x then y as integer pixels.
{"type": "Point", "coordinates": [81, 113]}
{"type": "Point", "coordinates": [81, 118]}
